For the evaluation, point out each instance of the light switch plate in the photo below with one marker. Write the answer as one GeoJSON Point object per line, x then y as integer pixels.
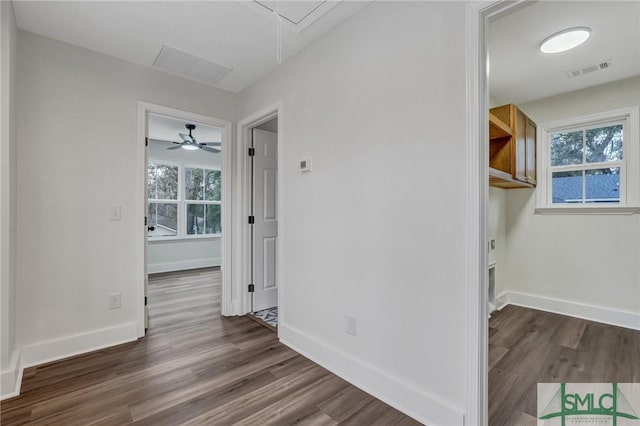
{"type": "Point", "coordinates": [115, 300]}
{"type": "Point", "coordinates": [115, 213]}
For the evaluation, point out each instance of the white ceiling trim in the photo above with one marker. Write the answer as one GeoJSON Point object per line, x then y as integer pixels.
{"type": "Point", "coordinates": [314, 11]}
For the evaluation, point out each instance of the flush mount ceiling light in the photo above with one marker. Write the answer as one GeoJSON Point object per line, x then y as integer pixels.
{"type": "Point", "coordinates": [565, 40]}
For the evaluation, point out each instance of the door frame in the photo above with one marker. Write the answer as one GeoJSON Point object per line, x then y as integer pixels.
{"type": "Point", "coordinates": [144, 109]}
{"type": "Point", "coordinates": [242, 254]}
{"type": "Point", "coordinates": [478, 15]}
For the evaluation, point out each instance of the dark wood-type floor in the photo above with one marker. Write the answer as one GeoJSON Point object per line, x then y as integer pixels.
{"type": "Point", "coordinates": [194, 367]}
{"type": "Point", "coordinates": [527, 347]}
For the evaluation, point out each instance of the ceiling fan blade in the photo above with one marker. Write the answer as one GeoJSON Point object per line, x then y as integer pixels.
{"type": "Point", "coordinates": [185, 138]}
{"type": "Point", "coordinates": [208, 149]}
{"type": "Point", "coordinates": [163, 141]}
{"type": "Point", "coordinates": [175, 147]}
{"type": "Point", "coordinates": [211, 143]}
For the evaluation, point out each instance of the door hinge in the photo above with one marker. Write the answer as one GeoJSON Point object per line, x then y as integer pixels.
{"type": "Point", "coordinates": [146, 141]}
{"type": "Point", "coordinates": [252, 288]}
{"type": "Point", "coordinates": [252, 152]}
{"type": "Point", "coordinates": [252, 220]}
{"type": "Point", "coordinates": [145, 301]}
{"type": "Point", "coordinates": [145, 221]}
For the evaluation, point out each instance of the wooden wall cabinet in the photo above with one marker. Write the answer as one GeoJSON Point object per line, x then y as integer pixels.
{"type": "Point", "coordinates": [512, 148]}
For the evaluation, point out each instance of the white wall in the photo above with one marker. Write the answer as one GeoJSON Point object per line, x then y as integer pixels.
{"type": "Point", "coordinates": [497, 230]}
{"type": "Point", "coordinates": [270, 126]}
{"type": "Point", "coordinates": [8, 205]}
{"type": "Point", "coordinates": [376, 230]}
{"type": "Point", "coordinates": [176, 255]}
{"type": "Point", "coordinates": [590, 259]}
{"type": "Point", "coordinates": [77, 156]}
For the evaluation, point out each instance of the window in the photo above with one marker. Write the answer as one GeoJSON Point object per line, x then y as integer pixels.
{"type": "Point", "coordinates": [586, 164]}
{"type": "Point", "coordinates": [163, 200]}
{"type": "Point", "coordinates": [202, 195]}
{"type": "Point", "coordinates": [590, 164]}
{"type": "Point", "coordinates": [184, 201]}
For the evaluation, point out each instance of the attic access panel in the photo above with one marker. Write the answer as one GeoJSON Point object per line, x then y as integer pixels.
{"type": "Point", "coordinates": [300, 14]}
{"type": "Point", "coordinates": [189, 66]}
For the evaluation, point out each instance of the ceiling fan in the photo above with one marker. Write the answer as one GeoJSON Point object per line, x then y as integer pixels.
{"type": "Point", "coordinates": [190, 143]}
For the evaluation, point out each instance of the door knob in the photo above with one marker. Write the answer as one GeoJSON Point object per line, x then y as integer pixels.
{"type": "Point", "coordinates": [151, 228]}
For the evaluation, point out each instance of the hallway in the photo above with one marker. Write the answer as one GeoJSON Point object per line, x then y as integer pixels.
{"type": "Point", "coordinates": [194, 367]}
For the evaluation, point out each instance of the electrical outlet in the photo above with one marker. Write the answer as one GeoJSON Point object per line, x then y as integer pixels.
{"type": "Point", "coordinates": [351, 325]}
{"type": "Point", "coordinates": [115, 300]}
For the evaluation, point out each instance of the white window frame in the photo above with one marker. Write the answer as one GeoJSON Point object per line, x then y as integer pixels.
{"type": "Point", "coordinates": [176, 201]}
{"type": "Point", "coordinates": [629, 165]}
{"type": "Point", "coordinates": [205, 202]}
{"type": "Point", "coordinates": [182, 202]}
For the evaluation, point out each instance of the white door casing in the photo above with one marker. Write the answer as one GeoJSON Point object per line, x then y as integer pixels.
{"type": "Point", "coordinates": [146, 229]}
{"type": "Point", "coordinates": [265, 227]}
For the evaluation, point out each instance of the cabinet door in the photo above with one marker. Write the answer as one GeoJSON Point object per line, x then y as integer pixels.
{"type": "Point", "coordinates": [531, 152]}
{"type": "Point", "coordinates": [519, 168]}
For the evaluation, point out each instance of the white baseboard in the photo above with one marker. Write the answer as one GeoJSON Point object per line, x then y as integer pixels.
{"type": "Point", "coordinates": [156, 268]}
{"type": "Point", "coordinates": [65, 347]}
{"type": "Point", "coordinates": [11, 377]}
{"type": "Point", "coordinates": [601, 314]}
{"type": "Point", "coordinates": [423, 406]}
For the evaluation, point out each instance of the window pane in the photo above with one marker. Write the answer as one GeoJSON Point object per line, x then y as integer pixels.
{"type": "Point", "coordinates": [567, 187]}
{"type": "Point", "coordinates": [194, 184]}
{"type": "Point", "coordinates": [604, 144]}
{"type": "Point", "coordinates": [566, 148]}
{"type": "Point", "coordinates": [213, 219]}
{"type": "Point", "coordinates": [603, 185]}
{"type": "Point", "coordinates": [195, 219]}
{"type": "Point", "coordinates": [151, 181]}
{"type": "Point", "coordinates": [167, 182]}
{"type": "Point", "coordinates": [164, 218]}
{"type": "Point", "coordinates": [212, 185]}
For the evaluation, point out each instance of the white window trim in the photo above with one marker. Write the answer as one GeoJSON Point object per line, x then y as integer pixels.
{"type": "Point", "coordinates": [629, 166]}
{"type": "Point", "coordinates": [185, 202]}
{"type": "Point", "coordinates": [182, 202]}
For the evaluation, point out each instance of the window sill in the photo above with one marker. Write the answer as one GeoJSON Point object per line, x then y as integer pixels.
{"type": "Point", "coordinates": [583, 210]}
{"type": "Point", "coordinates": [183, 239]}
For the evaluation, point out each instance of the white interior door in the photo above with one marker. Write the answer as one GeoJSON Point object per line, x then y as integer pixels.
{"type": "Point", "coordinates": [265, 227]}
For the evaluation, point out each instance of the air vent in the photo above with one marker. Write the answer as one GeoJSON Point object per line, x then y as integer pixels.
{"type": "Point", "coordinates": [604, 65]}
{"type": "Point", "coordinates": [589, 69]}
{"type": "Point", "coordinates": [186, 65]}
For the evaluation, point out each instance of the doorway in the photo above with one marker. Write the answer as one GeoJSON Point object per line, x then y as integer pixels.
{"type": "Point", "coordinates": [260, 183]}
{"type": "Point", "coordinates": [553, 321]}
{"type": "Point", "coordinates": [264, 226]}
{"type": "Point", "coordinates": [183, 193]}
{"type": "Point", "coordinates": [264, 222]}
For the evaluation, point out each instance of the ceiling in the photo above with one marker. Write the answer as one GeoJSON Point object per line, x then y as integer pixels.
{"type": "Point", "coordinates": [520, 73]}
{"type": "Point", "coordinates": [216, 35]}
